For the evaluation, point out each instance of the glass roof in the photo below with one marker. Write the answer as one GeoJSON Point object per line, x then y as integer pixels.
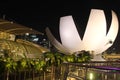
{"type": "Point", "coordinates": [18, 48]}
{"type": "Point", "coordinates": [16, 29]}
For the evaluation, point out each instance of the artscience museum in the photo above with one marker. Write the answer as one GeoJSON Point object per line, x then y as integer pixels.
{"type": "Point", "coordinates": [96, 38]}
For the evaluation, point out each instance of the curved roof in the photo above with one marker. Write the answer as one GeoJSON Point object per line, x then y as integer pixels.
{"type": "Point", "coordinates": [16, 29]}
{"type": "Point", "coordinates": [21, 49]}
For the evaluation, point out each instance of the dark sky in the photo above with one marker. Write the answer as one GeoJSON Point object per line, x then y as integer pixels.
{"type": "Point", "coordinates": [43, 14]}
{"type": "Point", "coordinates": [32, 14]}
{"type": "Point", "coordinates": [40, 15]}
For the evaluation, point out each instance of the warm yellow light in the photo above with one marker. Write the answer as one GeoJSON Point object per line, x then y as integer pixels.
{"type": "Point", "coordinates": [91, 76]}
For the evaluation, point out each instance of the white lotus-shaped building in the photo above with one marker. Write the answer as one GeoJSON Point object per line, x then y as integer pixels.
{"type": "Point", "coordinates": [96, 37]}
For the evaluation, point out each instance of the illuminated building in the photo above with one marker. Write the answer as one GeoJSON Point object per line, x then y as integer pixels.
{"type": "Point", "coordinates": [96, 37]}
{"type": "Point", "coordinates": [18, 47]}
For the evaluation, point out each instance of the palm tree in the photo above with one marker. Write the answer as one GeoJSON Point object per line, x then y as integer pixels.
{"type": "Point", "coordinates": [58, 63]}
{"type": "Point", "coordinates": [53, 59]}
{"type": "Point", "coordinates": [22, 66]}
{"type": "Point", "coordinates": [2, 68]}
{"type": "Point", "coordinates": [9, 63]}
{"type": "Point", "coordinates": [65, 67]}
{"type": "Point", "coordinates": [40, 65]}
{"type": "Point", "coordinates": [50, 60]}
{"type": "Point", "coordinates": [31, 67]}
{"type": "Point", "coordinates": [9, 66]}
{"type": "Point", "coordinates": [69, 58]}
{"type": "Point", "coordinates": [14, 68]}
{"type": "Point", "coordinates": [84, 56]}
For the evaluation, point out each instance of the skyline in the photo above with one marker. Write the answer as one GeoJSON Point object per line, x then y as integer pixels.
{"type": "Point", "coordinates": [46, 14]}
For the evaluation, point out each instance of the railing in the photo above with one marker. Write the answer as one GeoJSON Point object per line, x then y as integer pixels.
{"type": "Point", "coordinates": [100, 70]}
{"type": "Point", "coordinates": [107, 70]}
{"type": "Point", "coordinates": [92, 64]}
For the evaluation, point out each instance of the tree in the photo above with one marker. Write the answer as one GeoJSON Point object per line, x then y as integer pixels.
{"type": "Point", "coordinates": [69, 58]}
{"type": "Point", "coordinates": [40, 66]}
{"type": "Point", "coordinates": [10, 65]}
{"type": "Point", "coordinates": [83, 56]}
{"type": "Point", "coordinates": [53, 59]}
{"type": "Point", "coordinates": [22, 66]}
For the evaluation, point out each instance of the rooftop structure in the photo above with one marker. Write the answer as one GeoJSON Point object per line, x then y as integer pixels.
{"type": "Point", "coordinates": [18, 48]}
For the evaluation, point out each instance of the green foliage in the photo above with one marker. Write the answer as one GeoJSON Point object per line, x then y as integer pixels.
{"type": "Point", "coordinates": [9, 64]}
{"type": "Point", "coordinates": [53, 58]}
{"type": "Point", "coordinates": [69, 58]}
{"type": "Point", "coordinates": [83, 56]}
{"type": "Point", "coordinates": [39, 65]}
{"type": "Point", "coordinates": [22, 64]}
{"type": "Point", "coordinates": [50, 59]}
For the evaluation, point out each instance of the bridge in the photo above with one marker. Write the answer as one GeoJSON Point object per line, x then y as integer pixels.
{"type": "Point", "coordinates": [107, 70]}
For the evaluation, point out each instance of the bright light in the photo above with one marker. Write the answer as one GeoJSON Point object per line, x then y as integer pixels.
{"type": "Point", "coordinates": [91, 76]}
{"type": "Point", "coordinates": [35, 39]}
{"type": "Point", "coordinates": [95, 38]}
{"type": "Point", "coordinates": [27, 34]}
{"type": "Point", "coordinates": [69, 34]}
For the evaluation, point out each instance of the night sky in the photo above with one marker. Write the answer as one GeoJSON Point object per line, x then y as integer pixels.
{"type": "Point", "coordinates": [39, 15]}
